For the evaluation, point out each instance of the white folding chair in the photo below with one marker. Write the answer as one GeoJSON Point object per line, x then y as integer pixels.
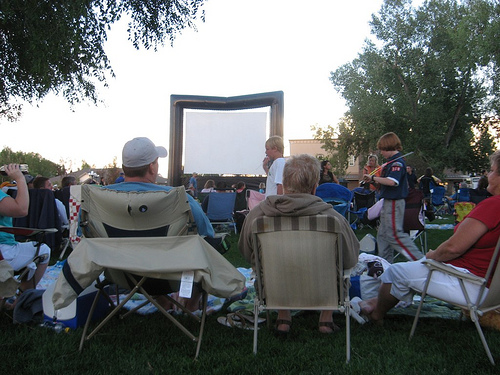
{"type": "Point", "coordinates": [488, 299]}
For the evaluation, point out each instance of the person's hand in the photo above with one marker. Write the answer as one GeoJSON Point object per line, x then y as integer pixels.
{"type": "Point", "coordinates": [367, 178]}
{"type": "Point", "coordinates": [14, 172]}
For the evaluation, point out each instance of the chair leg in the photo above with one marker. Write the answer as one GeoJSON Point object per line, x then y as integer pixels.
{"type": "Point", "coordinates": [481, 336]}
{"type": "Point", "coordinates": [202, 324]}
{"type": "Point", "coordinates": [347, 331]}
{"type": "Point", "coordinates": [424, 293]}
{"type": "Point", "coordinates": [256, 323]}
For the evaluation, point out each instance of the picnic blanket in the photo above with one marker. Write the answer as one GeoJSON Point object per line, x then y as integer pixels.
{"type": "Point", "coordinates": [432, 308]}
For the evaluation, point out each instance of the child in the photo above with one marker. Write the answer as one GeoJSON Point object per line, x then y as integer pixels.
{"type": "Point", "coordinates": [394, 189]}
{"type": "Point", "coordinates": [274, 153]}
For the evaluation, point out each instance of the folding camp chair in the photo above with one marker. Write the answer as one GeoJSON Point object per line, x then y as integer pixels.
{"type": "Point", "coordinates": [463, 195]}
{"type": "Point", "coordinates": [476, 195]}
{"type": "Point", "coordinates": [298, 267]}
{"type": "Point", "coordinates": [220, 209]}
{"type": "Point", "coordinates": [414, 219]}
{"type": "Point", "coordinates": [337, 195]}
{"type": "Point", "coordinates": [107, 215]}
{"type": "Point", "coordinates": [488, 299]}
{"type": "Point", "coordinates": [42, 214]}
{"type": "Point", "coordinates": [362, 200]}
{"type": "Point", "coordinates": [254, 198]}
{"type": "Point", "coordinates": [439, 200]}
{"type": "Point", "coordinates": [9, 278]}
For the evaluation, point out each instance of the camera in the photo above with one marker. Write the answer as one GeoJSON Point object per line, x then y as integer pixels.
{"type": "Point", "coordinates": [22, 167]}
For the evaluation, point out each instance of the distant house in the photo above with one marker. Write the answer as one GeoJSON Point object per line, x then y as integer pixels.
{"type": "Point", "coordinates": [313, 147]}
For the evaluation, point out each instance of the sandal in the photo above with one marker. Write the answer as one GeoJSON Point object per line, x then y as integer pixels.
{"type": "Point", "coordinates": [284, 322]}
{"type": "Point", "coordinates": [330, 325]}
{"type": "Point", "coordinates": [246, 315]}
{"type": "Point", "coordinates": [233, 321]}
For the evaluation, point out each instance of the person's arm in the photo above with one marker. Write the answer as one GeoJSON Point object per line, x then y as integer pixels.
{"type": "Point", "coordinates": [379, 180]}
{"type": "Point", "coordinates": [467, 234]}
{"type": "Point", "coordinates": [265, 164]}
{"type": "Point", "coordinates": [19, 206]}
{"type": "Point", "coordinates": [279, 188]}
{"type": "Point", "coordinates": [335, 179]}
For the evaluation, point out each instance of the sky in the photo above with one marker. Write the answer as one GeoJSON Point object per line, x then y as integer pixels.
{"type": "Point", "coordinates": [244, 47]}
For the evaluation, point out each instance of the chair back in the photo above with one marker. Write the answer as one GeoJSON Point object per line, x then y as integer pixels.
{"type": "Point", "coordinates": [413, 217]}
{"type": "Point", "coordinates": [363, 199]}
{"type": "Point", "coordinates": [63, 195]}
{"type": "Point", "coordinates": [463, 195]}
{"type": "Point", "coordinates": [492, 300]}
{"type": "Point", "coordinates": [112, 213]}
{"type": "Point", "coordinates": [337, 195]}
{"type": "Point", "coordinates": [254, 198]}
{"type": "Point", "coordinates": [476, 195]}
{"type": "Point", "coordinates": [42, 214]}
{"type": "Point", "coordinates": [221, 206]}
{"type": "Point", "coordinates": [438, 194]}
{"type": "Point", "coordinates": [298, 262]}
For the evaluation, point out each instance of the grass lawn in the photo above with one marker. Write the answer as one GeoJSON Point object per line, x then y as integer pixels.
{"type": "Point", "coordinates": [152, 345]}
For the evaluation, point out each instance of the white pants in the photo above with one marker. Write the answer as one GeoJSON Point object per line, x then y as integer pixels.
{"type": "Point", "coordinates": [22, 254]}
{"type": "Point", "coordinates": [409, 277]}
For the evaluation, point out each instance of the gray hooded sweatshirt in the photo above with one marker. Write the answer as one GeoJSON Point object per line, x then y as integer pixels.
{"type": "Point", "coordinates": [298, 205]}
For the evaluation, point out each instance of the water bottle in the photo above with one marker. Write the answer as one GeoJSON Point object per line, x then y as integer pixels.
{"type": "Point", "coordinates": [55, 326]}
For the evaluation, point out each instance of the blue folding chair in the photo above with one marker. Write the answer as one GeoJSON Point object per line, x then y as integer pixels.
{"type": "Point", "coordinates": [362, 200]}
{"type": "Point", "coordinates": [337, 195]}
{"type": "Point", "coordinates": [439, 200]}
{"type": "Point", "coordinates": [463, 195]}
{"type": "Point", "coordinates": [221, 208]}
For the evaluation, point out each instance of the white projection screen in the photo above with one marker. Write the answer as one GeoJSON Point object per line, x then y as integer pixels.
{"type": "Point", "coordinates": [209, 143]}
{"type": "Point", "coordinates": [225, 142]}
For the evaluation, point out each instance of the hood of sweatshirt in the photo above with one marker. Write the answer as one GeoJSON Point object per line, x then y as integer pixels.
{"type": "Point", "coordinates": [294, 205]}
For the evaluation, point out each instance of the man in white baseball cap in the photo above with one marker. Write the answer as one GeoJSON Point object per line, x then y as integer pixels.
{"type": "Point", "coordinates": [141, 151]}
{"type": "Point", "coordinates": [140, 166]}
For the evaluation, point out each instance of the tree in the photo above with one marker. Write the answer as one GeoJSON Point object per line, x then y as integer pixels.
{"type": "Point", "coordinates": [36, 164]}
{"type": "Point", "coordinates": [430, 76]}
{"type": "Point", "coordinates": [57, 46]}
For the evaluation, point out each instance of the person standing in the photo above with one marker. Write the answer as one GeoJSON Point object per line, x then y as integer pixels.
{"type": "Point", "coordinates": [193, 185]}
{"type": "Point", "coordinates": [372, 168]}
{"type": "Point", "coordinates": [274, 153]}
{"type": "Point", "coordinates": [412, 178]}
{"type": "Point", "coordinates": [394, 189]}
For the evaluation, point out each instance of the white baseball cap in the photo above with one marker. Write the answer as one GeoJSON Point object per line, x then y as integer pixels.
{"type": "Point", "coordinates": [141, 151]}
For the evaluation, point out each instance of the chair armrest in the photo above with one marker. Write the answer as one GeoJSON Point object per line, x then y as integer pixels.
{"type": "Point", "coordinates": [22, 231]}
{"type": "Point", "coordinates": [445, 268]}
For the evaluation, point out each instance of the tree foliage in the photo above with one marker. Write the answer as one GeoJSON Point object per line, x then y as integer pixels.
{"type": "Point", "coordinates": [57, 45]}
{"type": "Point", "coordinates": [36, 164]}
{"type": "Point", "coordinates": [431, 76]}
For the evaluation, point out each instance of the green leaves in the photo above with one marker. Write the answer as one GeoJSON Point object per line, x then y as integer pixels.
{"type": "Point", "coordinates": [58, 45]}
{"type": "Point", "coordinates": [429, 77]}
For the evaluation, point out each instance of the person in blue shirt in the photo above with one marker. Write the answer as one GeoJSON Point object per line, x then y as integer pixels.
{"type": "Point", "coordinates": [19, 254]}
{"type": "Point", "coordinates": [394, 189]}
{"type": "Point", "coordinates": [193, 185]}
{"type": "Point", "coordinates": [140, 166]}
